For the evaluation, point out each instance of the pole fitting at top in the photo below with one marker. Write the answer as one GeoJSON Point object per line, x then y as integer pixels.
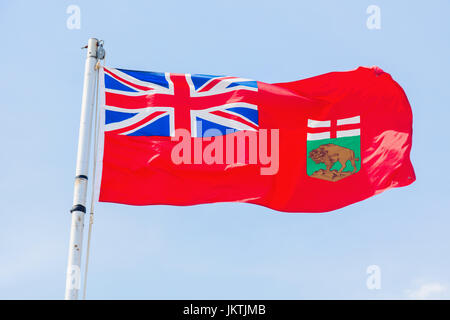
{"type": "Point", "coordinates": [95, 49]}
{"type": "Point", "coordinates": [92, 48]}
{"type": "Point", "coordinates": [100, 50]}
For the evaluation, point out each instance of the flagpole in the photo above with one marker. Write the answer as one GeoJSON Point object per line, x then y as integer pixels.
{"type": "Point", "coordinates": [73, 276]}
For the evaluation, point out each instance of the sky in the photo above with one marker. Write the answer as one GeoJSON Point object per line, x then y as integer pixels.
{"type": "Point", "coordinates": [227, 250]}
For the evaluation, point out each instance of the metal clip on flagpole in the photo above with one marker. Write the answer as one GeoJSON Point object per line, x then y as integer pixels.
{"type": "Point", "coordinates": [78, 210]}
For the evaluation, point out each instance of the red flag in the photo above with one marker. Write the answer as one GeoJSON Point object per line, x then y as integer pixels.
{"type": "Point", "coordinates": [312, 145]}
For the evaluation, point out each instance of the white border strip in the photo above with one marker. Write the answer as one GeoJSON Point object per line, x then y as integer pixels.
{"type": "Point", "coordinates": [352, 120]}
{"type": "Point", "coordinates": [318, 124]}
{"type": "Point", "coordinates": [318, 136]}
{"type": "Point", "coordinates": [348, 133]}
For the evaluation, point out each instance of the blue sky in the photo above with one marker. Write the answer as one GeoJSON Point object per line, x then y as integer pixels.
{"type": "Point", "coordinates": [220, 251]}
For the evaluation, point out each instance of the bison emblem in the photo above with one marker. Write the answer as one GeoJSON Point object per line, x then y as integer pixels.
{"type": "Point", "coordinates": [330, 153]}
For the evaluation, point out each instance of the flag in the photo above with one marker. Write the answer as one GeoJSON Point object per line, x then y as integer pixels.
{"type": "Point", "coordinates": [312, 145]}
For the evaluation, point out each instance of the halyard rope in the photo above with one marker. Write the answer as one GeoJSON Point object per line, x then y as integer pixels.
{"type": "Point", "coordinates": [91, 211]}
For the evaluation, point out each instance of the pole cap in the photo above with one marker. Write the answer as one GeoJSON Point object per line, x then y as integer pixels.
{"type": "Point", "coordinates": [92, 48]}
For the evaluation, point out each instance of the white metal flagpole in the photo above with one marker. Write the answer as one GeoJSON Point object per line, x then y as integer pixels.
{"type": "Point", "coordinates": [78, 210]}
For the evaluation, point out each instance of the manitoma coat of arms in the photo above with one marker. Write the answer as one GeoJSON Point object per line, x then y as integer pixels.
{"type": "Point", "coordinates": [333, 148]}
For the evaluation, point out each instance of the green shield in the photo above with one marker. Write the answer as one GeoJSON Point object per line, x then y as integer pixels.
{"type": "Point", "coordinates": [333, 159]}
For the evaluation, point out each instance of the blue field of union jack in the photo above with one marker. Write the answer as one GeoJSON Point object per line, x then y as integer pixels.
{"type": "Point", "coordinates": [140, 103]}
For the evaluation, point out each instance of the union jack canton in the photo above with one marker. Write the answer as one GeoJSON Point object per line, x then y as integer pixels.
{"type": "Point", "coordinates": [139, 103]}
